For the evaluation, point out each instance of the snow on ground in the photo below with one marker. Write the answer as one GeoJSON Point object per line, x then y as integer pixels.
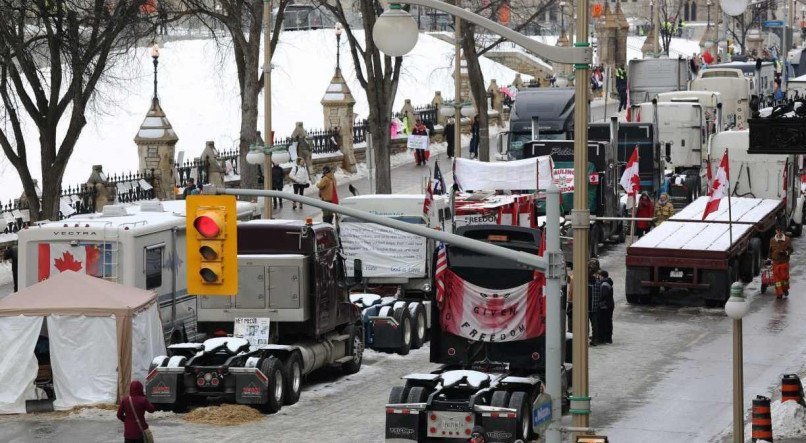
{"type": "Point", "coordinates": [198, 90]}
{"type": "Point", "coordinates": [788, 421]}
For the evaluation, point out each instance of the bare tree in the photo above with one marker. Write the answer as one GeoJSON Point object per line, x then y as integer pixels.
{"type": "Point", "coordinates": [474, 46]}
{"type": "Point", "coordinates": [669, 16]}
{"type": "Point", "coordinates": [378, 75]}
{"type": "Point", "coordinates": [53, 53]}
{"type": "Point", "coordinates": [243, 21]}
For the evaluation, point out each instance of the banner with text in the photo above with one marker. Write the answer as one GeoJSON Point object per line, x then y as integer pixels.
{"type": "Point", "coordinates": [384, 252]}
{"type": "Point", "coordinates": [493, 315]}
{"type": "Point", "coordinates": [506, 176]}
{"type": "Point", "coordinates": [417, 142]}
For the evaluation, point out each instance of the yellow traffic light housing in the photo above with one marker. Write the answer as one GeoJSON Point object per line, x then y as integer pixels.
{"type": "Point", "coordinates": [212, 245]}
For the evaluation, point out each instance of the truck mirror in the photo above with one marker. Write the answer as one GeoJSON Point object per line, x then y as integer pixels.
{"type": "Point", "coordinates": [358, 267]}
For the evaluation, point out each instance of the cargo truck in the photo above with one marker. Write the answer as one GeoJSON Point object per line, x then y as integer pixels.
{"type": "Point", "coordinates": [492, 357]}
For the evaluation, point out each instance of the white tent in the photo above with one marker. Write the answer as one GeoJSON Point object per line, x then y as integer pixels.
{"type": "Point", "coordinates": [102, 335]}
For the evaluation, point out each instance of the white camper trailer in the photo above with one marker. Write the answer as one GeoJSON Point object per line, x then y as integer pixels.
{"type": "Point", "coordinates": [136, 245]}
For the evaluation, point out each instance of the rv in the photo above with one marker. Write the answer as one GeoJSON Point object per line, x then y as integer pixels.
{"type": "Point", "coordinates": [734, 91]}
{"type": "Point", "coordinates": [136, 245]}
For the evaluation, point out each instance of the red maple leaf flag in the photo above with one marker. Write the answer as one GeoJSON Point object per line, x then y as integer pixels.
{"type": "Point", "coordinates": [718, 187]}
{"type": "Point", "coordinates": [630, 180]}
{"type": "Point", "coordinates": [67, 263]}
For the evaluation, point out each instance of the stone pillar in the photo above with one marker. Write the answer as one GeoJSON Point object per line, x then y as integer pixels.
{"type": "Point", "coordinates": [408, 111]}
{"type": "Point", "coordinates": [105, 193]}
{"type": "Point", "coordinates": [437, 103]}
{"type": "Point", "coordinates": [648, 48]}
{"type": "Point", "coordinates": [209, 158]}
{"type": "Point", "coordinates": [156, 145]}
{"type": "Point", "coordinates": [707, 43]}
{"type": "Point", "coordinates": [518, 82]}
{"type": "Point", "coordinates": [622, 30]}
{"type": "Point", "coordinates": [496, 100]}
{"type": "Point", "coordinates": [337, 105]}
{"type": "Point", "coordinates": [562, 70]}
{"type": "Point", "coordinates": [464, 82]}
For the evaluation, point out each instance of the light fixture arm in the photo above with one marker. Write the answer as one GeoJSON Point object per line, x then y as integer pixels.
{"type": "Point", "coordinates": [573, 55]}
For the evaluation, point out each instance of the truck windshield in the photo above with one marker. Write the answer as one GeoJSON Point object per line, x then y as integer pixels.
{"type": "Point", "coordinates": [518, 139]}
{"type": "Point", "coordinates": [488, 272]}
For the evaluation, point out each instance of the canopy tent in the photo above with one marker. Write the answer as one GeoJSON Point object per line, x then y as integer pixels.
{"type": "Point", "coordinates": [101, 336]}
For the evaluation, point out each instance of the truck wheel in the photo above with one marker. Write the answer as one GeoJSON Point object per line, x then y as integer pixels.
{"type": "Point", "coordinates": [356, 350]}
{"type": "Point", "coordinates": [622, 233]}
{"type": "Point", "coordinates": [593, 241]}
{"type": "Point", "coordinates": [520, 402]}
{"type": "Point", "coordinates": [417, 312]}
{"type": "Point", "coordinates": [633, 299]}
{"type": "Point", "coordinates": [398, 395]}
{"type": "Point", "coordinates": [417, 394]}
{"type": "Point", "coordinates": [293, 381]}
{"type": "Point", "coordinates": [746, 266]}
{"type": "Point", "coordinates": [500, 399]}
{"type": "Point", "coordinates": [797, 229]}
{"type": "Point", "coordinates": [403, 319]}
{"type": "Point", "coordinates": [273, 369]}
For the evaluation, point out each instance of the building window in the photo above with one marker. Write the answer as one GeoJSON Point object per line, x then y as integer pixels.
{"type": "Point", "coordinates": [153, 266]}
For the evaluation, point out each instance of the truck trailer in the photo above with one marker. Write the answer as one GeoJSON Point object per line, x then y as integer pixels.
{"type": "Point", "coordinates": [291, 273]}
{"type": "Point", "coordinates": [492, 356]}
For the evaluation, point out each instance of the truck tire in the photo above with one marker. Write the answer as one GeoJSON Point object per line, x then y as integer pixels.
{"type": "Point", "coordinates": [418, 324]}
{"type": "Point", "coordinates": [398, 394]}
{"type": "Point", "coordinates": [356, 347]}
{"type": "Point", "coordinates": [417, 394]}
{"type": "Point", "coordinates": [593, 241]}
{"type": "Point", "coordinates": [520, 402]}
{"type": "Point", "coordinates": [633, 299]}
{"type": "Point", "coordinates": [500, 399]}
{"type": "Point", "coordinates": [755, 248]}
{"type": "Point", "coordinates": [272, 368]}
{"type": "Point", "coordinates": [403, 319]}
{"type": "Point", "coordinates": [746, 266]}
{"type": "Point", "coordinates": [293, 380]}
{"type": "Point", "coordinates": [797, 229]}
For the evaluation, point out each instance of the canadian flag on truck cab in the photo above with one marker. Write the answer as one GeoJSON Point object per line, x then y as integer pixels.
{"type": "Point", "coordinates": [59, 257]}
{"type": "Point", "coordinates": [718, 185]}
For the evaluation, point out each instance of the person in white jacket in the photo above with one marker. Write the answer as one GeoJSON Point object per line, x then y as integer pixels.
{"type": "Point", "coordinates": [300, 178]}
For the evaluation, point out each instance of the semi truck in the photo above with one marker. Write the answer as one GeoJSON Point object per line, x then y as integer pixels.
{"type": "Point", "coordinates": [734, 92]}
{"type": "Point", "coordinates": [547, 112]}
{"type": "Point", "coordinates": [649, 77]}
{"type": "Point", "coordinates": [140, 245]}
{"type": "Point", "coordinates": [703, 256]}
{"type": "Point", "coordinates": [629, 136]}
{"type": "Point", "coordinates": [291, 273]}
{"type": "Point", "coordinates": [761, 76]}
{"type": "Point", "coordinates": [492, 356]}
{"type": "Point", "coordinates": [396, 267]}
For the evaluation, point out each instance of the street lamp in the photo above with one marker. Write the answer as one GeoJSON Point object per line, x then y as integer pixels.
{"type": "Point", "coordinates": [562, 15]}
{"type": "Point", "coordinates": [269, 134]}
{"type": "Point", "coordinates": [395, 33]}
{"type": "Point", "coordinates": [155, 54]}
{"type": "Point", "coordinates": [708, 5]}
{"type": "Point", "coordinates": [736, 308]}
{"type": "Point", "coordinates": [338, 31]}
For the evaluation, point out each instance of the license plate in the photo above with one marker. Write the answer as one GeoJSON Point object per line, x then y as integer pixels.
{"type": "Point", "coordinates": [676, 274]}
{"type": "Point", "coordinates": [450, 424]}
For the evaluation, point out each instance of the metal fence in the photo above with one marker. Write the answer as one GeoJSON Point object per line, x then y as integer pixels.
{"type": "Point", "coordinates": [428, 114]}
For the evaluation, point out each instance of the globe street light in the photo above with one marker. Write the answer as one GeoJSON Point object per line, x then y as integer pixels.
{"type": "Point", "coordinates": [395, 33]}
{"type": "Point", "coordinates": [339, 31]}
{"type": "Point", "coordinates": [736, 308]}
{"type": "Point", "coordinates": [155, 54]}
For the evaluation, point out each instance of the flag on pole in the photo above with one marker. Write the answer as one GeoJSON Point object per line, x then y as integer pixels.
{"type": "Point", "coordinates": [441, 271]}
{"type": "Point", "coordinates": [718, 186]}
{"type": "Point", "coordinates": [630, 180]}
{"type": "Point", "coordinates": [439, 181]}
{"type": "Point", "coordinates": [429, 197]}
{"type": "Point", "coordinates": [629, 108]}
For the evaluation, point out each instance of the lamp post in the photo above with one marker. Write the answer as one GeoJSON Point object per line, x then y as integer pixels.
{"type": "Point", "coordinates": [736, 308]}
{"type": "Point", "coordinates": [395, 33]}
{"type": "Point", "coordinates": [155, 54]}
{"type": "Point", "coordinates": [268, 135]}
{"type": "Point", "coordinates": [708, 5]}
{"type": "Point", "coordinates": [338, 31]}
{"type": "Point", "coordinates": [562, 15]}
{"type": "Point", "coordinates": [457, 86]}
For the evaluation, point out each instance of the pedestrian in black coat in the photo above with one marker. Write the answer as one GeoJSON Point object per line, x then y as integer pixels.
{"type": "Point", "coordinates": [450, 134]}
{"type": "Point", "coordinates": [594, 299]}
{"type": "Point", "coordinates": [606, 307]}
{"type": "Point", "coordinates": [277, 183]}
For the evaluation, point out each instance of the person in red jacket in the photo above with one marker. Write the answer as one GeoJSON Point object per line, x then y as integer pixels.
{"type": "Point", "coordinates": [134, 421]}
{"type": "Point", "coordinates": [645, 210]}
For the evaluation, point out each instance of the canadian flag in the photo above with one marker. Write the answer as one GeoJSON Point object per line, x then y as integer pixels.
{"type": "Point", "coordinates": [718, 187]}
{"type": "Point", "coordinates": [59, 257]}
{"type": "Point", "coordinates": [630, 180]}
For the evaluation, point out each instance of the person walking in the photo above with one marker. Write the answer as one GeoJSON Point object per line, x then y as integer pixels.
{"type": "Point", "coordinates": [327, 192]}
{"type": "Point", "coordinates": [474, 137]}
{"type": "Point", "coordinates": [780, 251]}
{"type": "Point", "coordinates": [606, 307]}
{"type": "Point", "coordinates": [645, 210]}
{"type": "Point", "coordinates": [621, 87]}
{"type": "Point", "coordinates": [277, 181]}
{"type": "Point", "coordinates": [594, 300]}
{"type": "Point", "coordinates": [569, 308]}
{"type": "Point", "coordinates": [300, 178]}
{"type": "Point", "coordinates": [419, 154]}
{"type": "Point", "coordinates": [664, 209]}
{"type": "Point", "coordinates": [132, 411]}
{"type": "Point", "coordinates": [450, 128]}
{"type": "Point", "coordinates": [190, 185]}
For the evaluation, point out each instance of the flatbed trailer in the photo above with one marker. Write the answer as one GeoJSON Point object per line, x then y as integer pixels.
{"type": "Point", "coordinates": [705, 256]}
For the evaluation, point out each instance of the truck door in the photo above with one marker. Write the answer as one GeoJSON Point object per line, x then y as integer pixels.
{"type": "Point", "coordinates": [326, 270]}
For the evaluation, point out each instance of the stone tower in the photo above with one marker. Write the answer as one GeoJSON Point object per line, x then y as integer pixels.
{"type": "Point", "coordinates": [156, 143]}
{"type": "Point", "coordinates": [612, 32]}
{"type": "Point", "coordinates": [337, 105]}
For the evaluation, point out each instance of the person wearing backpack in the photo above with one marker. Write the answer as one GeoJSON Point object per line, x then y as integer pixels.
{"type": "Point", "coordinates": [299, 178]}
{"type": "Point", "coordinates": [132, 411]}
{"type": "Point", "coordinates": [606, 307]}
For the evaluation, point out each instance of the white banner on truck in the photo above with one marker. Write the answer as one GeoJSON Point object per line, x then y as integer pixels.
{"type": "Point", "coordinates": [506, 176]}
{"type": "Point", "coordinates": [384, 252]}
{"type": "Point", "coordinates": [255, 330]}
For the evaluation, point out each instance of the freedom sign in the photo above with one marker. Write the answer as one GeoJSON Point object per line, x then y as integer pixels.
{"type": "Point", "coordinates": [493, 315]}
{"type": "Point", "coordinates": [417, 142]}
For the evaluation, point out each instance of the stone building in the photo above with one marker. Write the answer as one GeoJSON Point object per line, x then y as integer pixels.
{"type": "Point", "coordinates": [156, 145]}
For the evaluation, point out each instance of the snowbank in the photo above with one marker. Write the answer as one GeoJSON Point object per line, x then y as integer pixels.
{"type": "Point", "coordinates": [788, 420]}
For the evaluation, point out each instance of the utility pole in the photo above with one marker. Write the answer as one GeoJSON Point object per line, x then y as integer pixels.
{"type": "Point", "coordinates": [267, 135]}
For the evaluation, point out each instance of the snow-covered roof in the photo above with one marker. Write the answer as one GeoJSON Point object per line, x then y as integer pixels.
{"type": "Point", "coordinates": [742, 210]}
{"type": "Point", "coordinates": [689, 236]}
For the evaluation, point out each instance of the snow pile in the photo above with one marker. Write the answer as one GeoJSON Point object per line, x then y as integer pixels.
{"type": "Point", "coordinates": [788, 420]}
{"type": "Point", "coordinates": [224, 415]}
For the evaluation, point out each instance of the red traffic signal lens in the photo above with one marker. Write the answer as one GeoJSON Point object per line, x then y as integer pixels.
{"type": "Point", "coordinates": [208, 253]}
{"type": "Point", "coordinates": [208, 275]}
{"type": "Point", "coordinates": [206, 226]}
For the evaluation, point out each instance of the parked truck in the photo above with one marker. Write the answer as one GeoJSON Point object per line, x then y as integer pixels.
{"type": "Point", "coordinates": [291, 273]}
{"type": "Point", "coordinates": [396, 268]}
{"type": "Point", "coordinates": [492, 357]}
{"type": "Point", "coordinates": [734, 92]}
{"type": "Point", "coordinates": [649, 77]}
{"type": "Point", "coordinates": [140, 245]}
{"type": "Point", "coordinates": [547, 113]}
{"type": "Point", "coordinates": [703, 256]}
{"type": "Point", "coordinates": [630, 135]}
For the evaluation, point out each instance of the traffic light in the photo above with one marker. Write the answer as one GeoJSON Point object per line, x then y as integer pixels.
{"type": "Point", "coordinates": [212, 245]}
